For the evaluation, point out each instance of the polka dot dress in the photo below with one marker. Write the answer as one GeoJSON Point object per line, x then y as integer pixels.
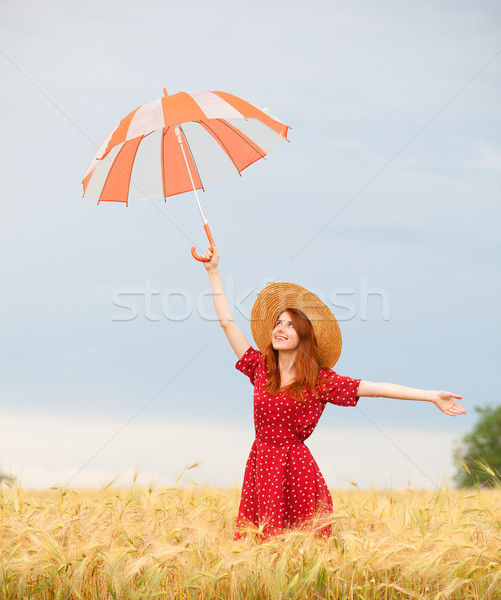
{"type": "Point", "coordinates": [283, 487]}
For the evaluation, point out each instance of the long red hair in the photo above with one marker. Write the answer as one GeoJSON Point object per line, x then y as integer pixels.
{"type": "Point", "coordinates": [308, 364]}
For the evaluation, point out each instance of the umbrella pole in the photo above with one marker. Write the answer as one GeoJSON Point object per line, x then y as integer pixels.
{"type": "Point", "coordinates": [205, 222]}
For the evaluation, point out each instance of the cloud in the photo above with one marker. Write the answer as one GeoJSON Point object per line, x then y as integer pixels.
{"type": "Point", "coordinates": [43, 451]}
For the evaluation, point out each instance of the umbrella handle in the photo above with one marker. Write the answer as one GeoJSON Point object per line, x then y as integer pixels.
{"type": "Point", "coordinates": [211, 242]}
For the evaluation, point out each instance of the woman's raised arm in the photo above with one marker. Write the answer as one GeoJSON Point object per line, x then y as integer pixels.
{"type": "Point", "coordinates": [236, 338]}
{"type": "Point", "coordinates": [444, 401]}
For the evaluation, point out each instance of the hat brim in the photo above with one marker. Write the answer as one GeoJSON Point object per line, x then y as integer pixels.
{"type": "Point", "coordinates": [275, 298]}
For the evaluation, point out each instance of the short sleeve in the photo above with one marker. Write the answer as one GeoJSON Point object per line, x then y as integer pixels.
{"type": "Point", "coordinates": [338, 389]}
{"type": "Point", "coordinates": [250, 363]}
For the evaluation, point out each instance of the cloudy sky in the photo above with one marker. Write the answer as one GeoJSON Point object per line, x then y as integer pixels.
{"type": "Point", "coordinates": [386, 203]}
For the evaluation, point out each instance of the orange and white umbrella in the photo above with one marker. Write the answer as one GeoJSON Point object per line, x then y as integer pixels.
{"type": "Point", "coordinates": [180, 143]}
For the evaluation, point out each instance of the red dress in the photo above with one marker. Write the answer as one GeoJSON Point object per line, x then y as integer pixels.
{"type": "Point", "coordinates": [283, 487]}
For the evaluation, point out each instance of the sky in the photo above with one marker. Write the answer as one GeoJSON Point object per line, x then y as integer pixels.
{"type": "Point", "coordinates": [385, 203]}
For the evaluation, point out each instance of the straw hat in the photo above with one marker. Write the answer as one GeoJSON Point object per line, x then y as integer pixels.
{"type": "Point", "coordinates": [275, 298]}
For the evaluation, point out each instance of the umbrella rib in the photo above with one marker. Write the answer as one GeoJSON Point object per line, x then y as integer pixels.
{"type": "Point", "coordinates": [121, 171]}
{"type": "Point", "coordinates": [108, 176]}
{"type": "Point", "coordinates": [192, 158]}
{"type": "Point", "coordinates": [237, 132]}
{"type": "Point", "coordinates": [162, 154]}
{"type": "Point", "coordinates": [132, 163]}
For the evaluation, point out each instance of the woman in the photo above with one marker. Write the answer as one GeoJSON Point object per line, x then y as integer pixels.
{"type": "Point", "coordinates": [299, 342]}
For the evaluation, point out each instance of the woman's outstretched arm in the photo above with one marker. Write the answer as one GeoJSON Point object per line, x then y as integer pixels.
{"type": "Point", "coordinates": [445, 401]}
{"type": "Point", "coordinates": [235, 336]}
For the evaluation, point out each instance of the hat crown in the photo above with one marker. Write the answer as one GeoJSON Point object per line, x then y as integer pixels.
{"type": "Point", "coordinates": [276, 298]}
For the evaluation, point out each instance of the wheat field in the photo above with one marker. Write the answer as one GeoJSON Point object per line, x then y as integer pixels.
{"type": "Point", "coordinates": [178, 543]}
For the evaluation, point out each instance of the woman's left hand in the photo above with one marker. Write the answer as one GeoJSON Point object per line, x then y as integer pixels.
{"type": "Point", "coordinates": [445, 401]}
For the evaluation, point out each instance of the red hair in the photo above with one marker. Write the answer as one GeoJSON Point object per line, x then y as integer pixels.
{"type": "Point", "coordinates": [307, 363]}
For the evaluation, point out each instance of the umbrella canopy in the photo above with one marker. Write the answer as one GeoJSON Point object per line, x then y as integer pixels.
{"type": "Point", "coordinates": [180, 143]}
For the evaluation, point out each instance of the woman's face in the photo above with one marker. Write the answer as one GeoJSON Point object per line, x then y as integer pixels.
{"type": "Point", "coordinates": [284, 336]}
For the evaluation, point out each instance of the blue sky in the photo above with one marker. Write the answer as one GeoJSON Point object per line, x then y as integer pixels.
{"type": "Point", "coordinates": [386, 201]}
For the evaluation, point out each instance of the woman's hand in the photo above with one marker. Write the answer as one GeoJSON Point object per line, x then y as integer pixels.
{"type": "Point", "coordinates": [211, 258]}
{"type": "Point", "coordinates": [446, 403]}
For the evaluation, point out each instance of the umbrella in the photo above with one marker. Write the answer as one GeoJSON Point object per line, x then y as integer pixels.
{"type": "Point", "coordinates": [181, 143]}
